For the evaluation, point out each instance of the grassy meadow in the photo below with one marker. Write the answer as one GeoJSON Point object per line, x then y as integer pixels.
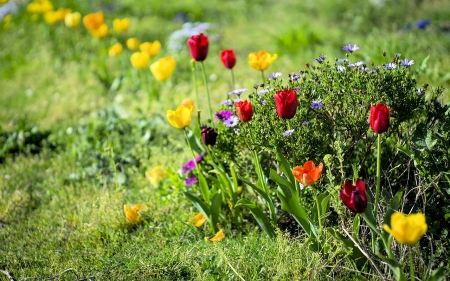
{"type": "Point", "coordinates": [79, 128]}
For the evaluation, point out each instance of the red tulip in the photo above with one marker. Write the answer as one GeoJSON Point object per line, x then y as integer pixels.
{"type": "Point", "coordinates": [354, 197]}
{"type": "Point", "coordinates": [286, 101]}
{"type": "Point", "coordinates": [244, 110]}
{"type": "Point", "coordinates": [198, 44]}
{"type": "Point", "coordinates": [228, 58]}
{"type": "Point", "coordinates": [379, 118]}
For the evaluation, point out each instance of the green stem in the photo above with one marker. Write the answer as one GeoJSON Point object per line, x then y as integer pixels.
{"type": "Point", "coordinates": [262, 75]}
{"type": "Point", "coordinates": [411, 264]}
{"type": "Point", "coordinates": [232, 81]}
{"type": "Point", "coordinates": [194, 80]}
{"type": "Point", "coordinates": [377, 191]}
{"type": "Point", "coordinates": [192, 151]}
{"type": "Point", "coordinates": [318, 211]}
{"type": "Point", "coordinates": [205, 81]}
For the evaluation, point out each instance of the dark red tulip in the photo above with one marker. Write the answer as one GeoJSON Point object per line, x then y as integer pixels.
{"type": "Point", "coordinates": [286, 102]}
{"type": "Point", "coordinates": [244, 110]}
{"type": "Point", "coordinates": [228, 58]}
{"type": "Point", "coordinates": [209, 136]}
{"type": "Point", "coordinates": [354, 197]}
{"type": "Point", "coordinates": [379, 118]}
{"type": "Point", "coordinates": [198, 44]}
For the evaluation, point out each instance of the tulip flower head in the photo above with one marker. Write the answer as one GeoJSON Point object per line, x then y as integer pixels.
{"type": "Point", "coordinates": [121, 25]}
{"type": "Point", "coordinates": [72, 20]}
{"type": "Point", "coordinates": [209, 136]}
{"type": "Point", "coordinates": [379, 118]}
{"type": "Point", "coordinates": [189, 104]}
{"type": "Point", "coordinates": [286, 102]}
{"type": "Point", "coordinates": [155, 175]}
{"type": "Point", "coordinates": [93, 21]}
{"type": "Point", "coordinates": [179, 118]}
{"type": "Point", "coordinates": [198, 220]}
{"type": "Point", "coordinates": [163, 68]}
{"type": "Point", "coordinates": [261, 60]}
{"type": "Point", "coordinates": [100, 32]}
{"type": "Point", "coordinates": [354, 196]}
{"type": "Point", "coordinates": [244, 110]}
{"type": "Point", "coordinates": [218, 237]}
{"type": "Point", "coordinates": [198, 45]}
{"type": "Point", "coordinates": [115, 50]}
{"type": "Point", "coordinates": [228, 58]}
{"type": "Point", "coordinates": [407, 229]}
{"type": "Point", "coordinates": [132, 214]}
{"type": "Point", "coordinates": [132, 44]}
{"type": "Point", "coordinates": [139, 60]}
{"type": "Point", "coordinates": [308, 173]}
{"type": "Point", "coordinates": [151, 48]}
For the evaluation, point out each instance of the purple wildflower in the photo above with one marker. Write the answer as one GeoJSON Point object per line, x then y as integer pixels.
{"type": "Point", "coordinates": [422, 24]}
{"type": "Point", "coordinates": [189, 166]}
{"type": "Point", "coordinates": [237, 92]}
{"type": "Point", "coordinates": [231, 122]}
{"type": "Point", "coordinates": [356, 64]}
{"type": "Point", "coordinates": [316, 104]}
{"type": "Point", "coordinates": [305, 123]}
{"type": "Point", "coordinates": [190, 181]}
{"type": "Point", "coordinates": [340, 68]}
{"type": "Point", "coordinates": [297, 90]}
{"type": "Point", "coordinates": [389, 66]}
{"type": "Point", "coordinates": [223, 115]}
{"type": "Point", "coordinates": [288, 133]}
{"type": "Point", "coordinates": [274, 76]}
{"type": "Point", "coordinates": [199, 158]}
{"type": "Point", "coordinates": [321, 58]}
{"type": "Point", "coordinates": [263, 102]}
{"type": "Point", "coordinates": [295, 77]}
{"type": "Point", "coordinates": [406, 62]}
{"type": "Point", "coordinates": [227, 102]}
{"type": "Point", "coordinates": [350, 48]}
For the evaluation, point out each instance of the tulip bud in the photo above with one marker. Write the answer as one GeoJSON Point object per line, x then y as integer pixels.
{"type": "Point", "coordinates": [244, 110]}
{"type": "Point", "coordinates": [379, 118]}
{"type": "Point", "coordinates": [354, 197]}
{"type": "Point", "coordinates": [286, 102]}
{"type": "Point", "coordinates": [228, 58]}
{"type": "Point", "coordinates": [198, 45]}
{"type": "Point", "coordinates": [209, 136]}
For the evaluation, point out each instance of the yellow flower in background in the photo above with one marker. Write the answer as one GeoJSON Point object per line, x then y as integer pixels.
{"type": "Point", "coordinates": [100, 32]}
{"type": "Point", "coordinates": [198, 220]}
{"type": "Point", "coordinates": [39, 7]}
{"type": "Point", "coordinates": [155, 175]}
{"type": "Point", "coordinates": [189, 104]}
{"type": "Point", "coordinates": [72, 20]}
{"type": "Point", "coordinates": [407, 229]}
{"type": "Point", "coordinates": [7, 22]}
{"type": "Point", "coordinates": [132, 214]}
{"type": "Point", "coordinates": [261, 60]}
{"type": "Point", "coordinates": [115, 50]}
{"type": "Point", "coordinates": [133, 44]}
{"type": "Point", "coordinates": [3, 1]}
{"type": "Point", "coordinates": [180, 118]}
{"type": "Point", "coordinates": [151, 48]}
{"type": "Point", "coordinates": [45, 6]}
{"type": "Point", "coordinates": [62, 13]}
{"type": "Point", "coordinates": [218, 237]}
{"type": "Point", "coordinates": [163, 68]}
{"type": "Point", "coordinates": [93, 21]}
{"type": "Point", "coordinates": [51, 17]}
{"type": "Point", "coordinates": [121, 25]}
{"type": "Point", "coordinates": [139, 60]}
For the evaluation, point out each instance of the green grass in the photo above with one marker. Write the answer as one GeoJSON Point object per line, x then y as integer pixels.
{"type": "Point", "coordinates": [61, 208]}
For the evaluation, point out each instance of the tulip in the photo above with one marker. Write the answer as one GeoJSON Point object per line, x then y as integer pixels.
{"type": "Point", "coordinates": [308, 173]}
{"type": "Point", "coordinates": [139, 60]}
{"type": "Point", "coordinates": [132, 44]}
{"type": "Point", "coordinates": [132, 214]}
{"type": "Point", "coordinates": [163, 68]}
{"type": "Point", "coordinates": [121, 25]}
{"type": "Point", "coordinates": [62, 13]}
{"type": "Point", "coordinates": [100, 32]}
{"type": "Point", "coordinates": [72, 20]}
{"type": "Point", "coordinates": [189, 104]}
{"type": "Point", "coordinates": [379, 118]}
{"type": "Point", "coordinates": [198, 220]}
{"type": "Point", "coordinates": [155, 175]}
{"type": "Point", "coordinates": [228, 58]}
{"type": "Point", "coordinates": [93, 21]}
{"type": "Point", "coordinates": [51, 17]}
{"type": "Point", "coordinates": [407, 229]}
{"type": "Point", "coordinates": [244, 110]}
{"type": "Point", "coordinates": [151, 48]}
{"type": "Point", "coordinates": [261, 60]}
{"type": "Point", "coordinates": [209, 136]}
{"type": "Point", "coordinates": [354, 197]}
{"type": "Point", "coordinates": [115, 50]}
{"type": "Point", "coordinates": [286, 102]}
{"type": "Point", "coordinates": [218, 237]}
{"type": "Point", "coordinates": [179, 118]}
{"type": "Point", "coordinates": [198, 45]}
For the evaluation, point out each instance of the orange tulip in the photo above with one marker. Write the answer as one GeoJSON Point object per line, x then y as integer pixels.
{"type": "Point", "coordinates": [93, 21]}
{"type": "Point", "coordinates": [308, 173]}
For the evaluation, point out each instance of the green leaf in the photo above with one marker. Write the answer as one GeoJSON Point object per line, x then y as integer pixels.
{"type": "Point", "coordinates": [356, 226]}
{"type": "Point", "coordinates": [324, 198]}
{"type": "Point", "coordinates": [266, 197]}
{"type": "Point", "coordinates": [260, 217]}
{"type": "Point", "coordinates": [285, 167]}
{"type": "Point", "coordinates": [200, 205]}
{"type": "Point", "coordinates": [216, 204]}
{"type": "Point", "coordinates": [429, 141]}
{"type": "Point", "coordinates": [280, 180]}
{"type": "Point", "coordinates": [423, 64]}
{"type": "Point", "coordinates": [395, 203]}
{"type": "Point", "coordinates": [204, 189]}
{"type": "Point", "coordinates": [395, 267]}
{"type": "Point", "coordinates": [437, 274]}
{"type": "Point", "coordinates": [357, 257]}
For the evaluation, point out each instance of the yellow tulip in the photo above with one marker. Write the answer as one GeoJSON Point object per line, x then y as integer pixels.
{"type": "Point", "coordinates": [51, 17]}
{"type": "Point", "coordinates": [133, 44]}
{"type": "Point", "coordinates": [155, 175]}
{"type": "Point", "coordinates": [219, 236]}
{"type": "Point", "coordinates": [7, 22]}
{"type": "Point", "coordinates": [180, 118]}
{"type": "Point", "coordinates": [407, 229]}
{"type": "Point", "coordinates": [93, 21]}
{"type": "Point", "coordinates": [62, 13]}
{"type": "Point", "coordinates": [100, 32]}
{"type": "Point", "coordinates": [72, 20]}
{"type": "Point", "coordinates": [140, 60]}
{"type": "Point", "coordinates": [198, 220]}
{"type": "Point", "coordinates": [151, 48]}
{"type": "Point", "coordinates": [163, 68]}
{"type": "Point", "coordinates": [188, 103]}
{"type": "Point", "coordinates": [3, 1]}
{"type": "Point", "coordinates": [115, 50]}
{"type": "Point", "coordinates": [33, 8]}
{"type": "Point", "coordinates": [45, 6]}
{"type": "Point", "coordinates": [261, 60]}
{"type": "Point", "coordinates": [121, 25]}
{"type": "Point", "coordinates": [132, 214]}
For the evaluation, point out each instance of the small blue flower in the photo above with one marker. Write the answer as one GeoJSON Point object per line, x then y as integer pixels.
{"type": "Point", "coordinates": [340, 68]}
{"type": "Point", "coordinates": [321, 58]}
{"type": "Point", "coordinates": [316, 104]}
{"type": "Point", "coordinates": [297, 90]}
{"type": "Point", "coordinates": [350, 48]}
{"type": "Point", "coordinates": [263, 102]}
{"type": "Point", "coordinates": [274, 76]}
{"type": "Point", "coordinates": [422, 24]}
{"type": "Point", "coordinates": [237, 92]}
{"type": "Point", "coordinates": [356, 64]}
{"type": "Point", "coordinates": [406, 62]}
{"type": "Point", "coordinates": [341, 61]}
{"type": "Point", "coordinates": [390, 66]}
{"type": "Point", "coordinates": [295, 77]}
{"type": "Point", "coordinates": [227, 102]}
{"type": "Point", "coordinates": [231, 122]}
{"type": "Point", "coordinates": [288, 133]}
